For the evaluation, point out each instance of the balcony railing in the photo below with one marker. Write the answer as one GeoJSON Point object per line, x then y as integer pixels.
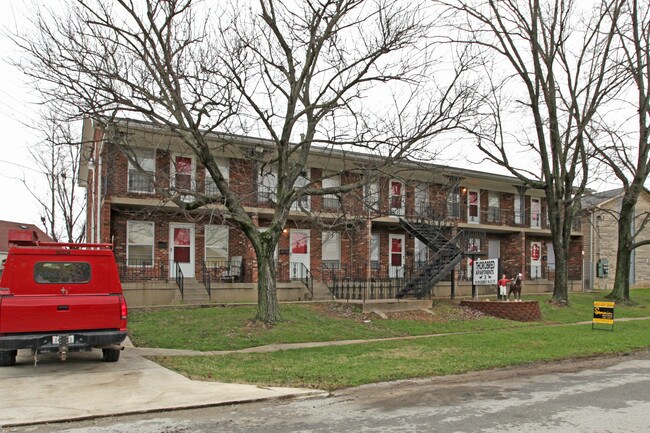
{"type": "Point", "coordinates": [142, 270]}
{"type": "Point", "coordinates": [140, 182]}
{"type": "Point", "coordinates": [331, 202]}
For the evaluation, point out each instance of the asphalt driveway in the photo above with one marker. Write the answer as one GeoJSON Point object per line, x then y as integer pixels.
{"type": "Point", "coordinates": [86, 387]}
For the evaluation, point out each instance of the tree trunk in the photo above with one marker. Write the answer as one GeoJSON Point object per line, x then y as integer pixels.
{"type": "Point", "coordinates": [268, 309]}
{"type": "Point", "coordinates": [621, 291]}
{"type": "Point", "coordinates": [560, 287]}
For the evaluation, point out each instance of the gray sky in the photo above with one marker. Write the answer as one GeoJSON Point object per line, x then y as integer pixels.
{"type": "Point", "coordinates": [17, 112]}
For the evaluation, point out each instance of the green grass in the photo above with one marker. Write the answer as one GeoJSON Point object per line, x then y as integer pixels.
{"type": "Point", "coordinates": [344, 366]}
{"type": "Point", "coordinates": [478, 343]}
{"type": "Point", "coordinates": [230, 328]}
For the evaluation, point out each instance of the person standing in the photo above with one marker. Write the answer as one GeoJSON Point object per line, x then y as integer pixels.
{"type": "Point", "coordinates": [502, 288]}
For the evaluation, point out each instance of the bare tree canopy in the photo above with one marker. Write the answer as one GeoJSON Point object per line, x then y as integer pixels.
{"type": "Point", "coordinates": [57, 157]}
{"type": "Point", "coordinates": [622, 140]}
{"type": "Point", "coordinates": [338, 74]}
{"type": "Point", "coordinates": [546, 70]}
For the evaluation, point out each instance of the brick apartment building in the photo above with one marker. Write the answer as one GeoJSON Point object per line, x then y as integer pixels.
{"type": "Point", "coordinates": [375, 249]}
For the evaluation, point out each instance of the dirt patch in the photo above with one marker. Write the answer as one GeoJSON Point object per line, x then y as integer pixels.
{"type": "Point", "coordinates": [442, 312]}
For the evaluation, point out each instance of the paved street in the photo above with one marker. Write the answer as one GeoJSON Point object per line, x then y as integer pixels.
{"type": "Point", "coordinates": [609, 396]}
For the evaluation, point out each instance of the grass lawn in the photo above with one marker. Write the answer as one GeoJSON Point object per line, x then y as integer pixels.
{"type": "Point", "coordinates": [487, 343]}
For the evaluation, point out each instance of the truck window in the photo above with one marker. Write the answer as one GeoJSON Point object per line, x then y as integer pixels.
{"type": "Point", "coordinates": [61, 272]}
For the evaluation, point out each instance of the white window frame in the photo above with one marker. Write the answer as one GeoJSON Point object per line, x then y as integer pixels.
{"type": "Point", "coordinates": [519, 213]}
{"type": "Point", "coordinates": [371, 196]}
{"type": "Point", "coordinates": [268, 183]}
{"type": "Point", "coordinates": [129, 244]}
{"type": "Point", "coordinates": [302, 181]}
{"type": "Point", "coordinates": [331, 249]}
{"type": "Point", "coordinates": [453, 203]}
{"type": "Point", "coordinates": [494, 202]}
{"type": "Point", "coordinates": [147, 167]}
{"type": "Point", "coordinates": [226, 231]}
{"type": "Point", "coordinates": [224, 168]}
{"type": "Point", "coordinates": [422, 198]}
{"type": "Point", "coordinates": [375, 250]}
{"type": "Point", "coordinates": [332, 181]}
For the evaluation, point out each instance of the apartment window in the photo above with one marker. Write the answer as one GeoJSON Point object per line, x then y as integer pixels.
{"type": "Point", "coordinates": [371, 196]}
{"type": "Point", "coordinates": [139, 243]}
{"type": "Point", "coordinates": [453, 203]}
{"type": "Point", "coordinates": [331, 250]}
{"type": "Point", "coordinates": [138, 181]}
{"type": "Point", "coordinates": [210, 186]}
{"type": "Point", "coordinates": [331, 201]}
{"type": "Point", "coordinates": [396, 198]}
{"type": "Point", "coordinates": [216, 243]}
{"type": "Point", "coordinates": [302, 202]}
{"type": "Point", "coordinates": [374, 251]}
{"type": "Point", "coordinates": [494, 207]}
{"type": "Point", "coordinates": [519, 206]}
{"type": "Point", "coordinates": [422, 199]}
{"type": "Point", "coordinates": [268, 185]}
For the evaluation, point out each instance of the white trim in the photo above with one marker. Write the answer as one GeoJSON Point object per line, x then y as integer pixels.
{"type": "Point", "coordinates": [187, 268]}
{"type": "Point", "coordinates": [129, 244]}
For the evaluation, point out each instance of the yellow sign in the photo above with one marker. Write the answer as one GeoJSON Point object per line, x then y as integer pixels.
{"type": "Point", "coordinates": [604, 312]}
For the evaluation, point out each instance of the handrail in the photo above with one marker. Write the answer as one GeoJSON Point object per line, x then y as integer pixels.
{"type": "Point", "coordinates": [180, 279]}
{"type": "Point", "coordinates": [305, 276]}
{"type": "Point", "coordinates": [206, 278]}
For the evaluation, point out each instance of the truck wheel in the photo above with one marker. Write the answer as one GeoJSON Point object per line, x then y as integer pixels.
{"type": "Point", "coordinates": [111, 355]}
{"type": "Point", "coordinates": [8, 358]}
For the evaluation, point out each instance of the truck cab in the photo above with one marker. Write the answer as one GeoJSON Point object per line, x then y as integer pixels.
{"type": "Point", "coordinates": [60, 297]}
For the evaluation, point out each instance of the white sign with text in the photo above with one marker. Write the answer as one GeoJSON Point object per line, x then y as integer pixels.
{"type": "Point", "coordinates": [486, 272]}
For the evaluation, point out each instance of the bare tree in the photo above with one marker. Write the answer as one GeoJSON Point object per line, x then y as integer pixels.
{"type": "Point", "coordinates": [301, 74]}
{"type": "Point", "coordinates": [57, 157]}
{"type": "Point", "coordinates": [625, 149]}
{"type": "Point", "coordinates": [547, 70]}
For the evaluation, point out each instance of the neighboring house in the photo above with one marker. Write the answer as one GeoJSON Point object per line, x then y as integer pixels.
{"type": "Point", "coordinates": [382, 249]}
{"type": "Point", "coordinates": [600, 228]}
{"type": "Point", "coordinates": [5, 226]}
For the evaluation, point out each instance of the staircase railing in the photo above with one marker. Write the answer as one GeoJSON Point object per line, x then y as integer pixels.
{"type": "Point", "coordinates": [180, 279]}
{"type": "Point", "coordinates": [205, 273]}
{"type": "Point", "coordinates": [438, 265]}
{"type": "Point", "coordinates": [298, 271]}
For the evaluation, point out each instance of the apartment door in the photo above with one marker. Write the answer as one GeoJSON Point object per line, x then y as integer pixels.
{"type": "Point", "coordinates": [299, 253]}
{"type": "Point", "coordinates": [473, 203]}
{"type": "Point", "coordinates": [535, 260]}
{"type": "Point", "coordinates": [535, 213]}
{"type": "Point", "coordinates": [181, 249]}
{"type": "Point", "coordinates": [396, 259]}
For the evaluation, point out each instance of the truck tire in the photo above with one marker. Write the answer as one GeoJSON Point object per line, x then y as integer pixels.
{"type": "Point", "coordinates": [8, 358]}
{"type": "Point", "coordinates": [111, 355]}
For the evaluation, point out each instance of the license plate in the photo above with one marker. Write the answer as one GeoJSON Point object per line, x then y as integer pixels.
{"type": "Point", "coordinates": [58, 338]}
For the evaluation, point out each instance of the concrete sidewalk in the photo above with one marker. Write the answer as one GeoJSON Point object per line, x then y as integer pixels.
{"type": "Point", "coordinates": [86, 387]}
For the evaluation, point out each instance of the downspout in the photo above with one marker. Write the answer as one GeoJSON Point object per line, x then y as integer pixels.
{"type": "Point", "coordinates": [98, 214]}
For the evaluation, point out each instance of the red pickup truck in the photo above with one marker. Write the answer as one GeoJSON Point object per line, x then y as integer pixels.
{"type": "Point", "coordinates": [58, 297]}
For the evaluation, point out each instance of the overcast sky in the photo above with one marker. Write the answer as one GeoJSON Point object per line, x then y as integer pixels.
{"type": "Point", "coordinates": [17, 112]}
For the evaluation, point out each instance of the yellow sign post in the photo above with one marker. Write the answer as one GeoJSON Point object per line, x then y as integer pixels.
{"type": "Point", "coordinates": [603, 314]}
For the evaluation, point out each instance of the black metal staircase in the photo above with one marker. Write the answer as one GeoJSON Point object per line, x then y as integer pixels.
{"type": "Point", "coordinates": [445, 254]}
